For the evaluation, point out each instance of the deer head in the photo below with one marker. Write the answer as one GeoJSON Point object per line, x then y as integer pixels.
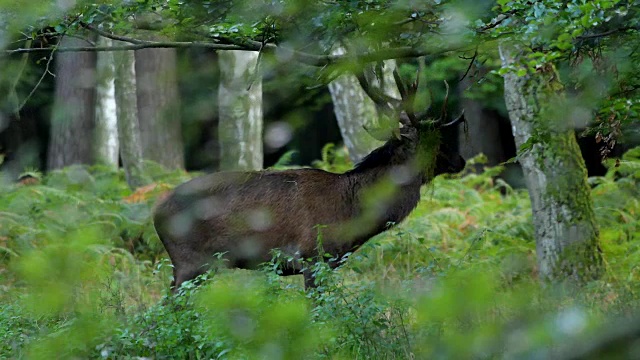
{"type": "Point", "coordinates": [418, 127]}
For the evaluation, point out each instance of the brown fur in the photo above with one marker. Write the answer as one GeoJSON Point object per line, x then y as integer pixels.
{"type": "Point", "coordinates": [247, 214]}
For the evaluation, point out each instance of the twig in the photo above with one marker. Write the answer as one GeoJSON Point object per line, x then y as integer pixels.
{"type": "Point", "coordinates": [443, 112]}
{"type": "Point", "coordinates": [257, 67]}
{"type": "Point", "coordinates": [82, 38]}
{"type": "Point", "coordinates": [44, 74]}
{"type": "Point", "coordinates": [168, 44]}
{"type": "Point", "coordinates": [12, 92]}
{"type": "Point", "coordinates": [114, 36]}
{"type": "Point", "coordinates": [473, 243]}
{"type": "Point", "coordinates": [497, 21]}
{"type": "Point", "coordinates": [473, 59]}
{"type": "Point", "coordinates": [607, 33]}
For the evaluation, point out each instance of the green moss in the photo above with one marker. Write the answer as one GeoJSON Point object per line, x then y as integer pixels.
{"type": "Point", "coordinates": [557, 155]}
{"type": "Point", "coordinates": [428, 147]}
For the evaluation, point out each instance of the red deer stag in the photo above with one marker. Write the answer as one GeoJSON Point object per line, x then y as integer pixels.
{"type": "Point", "coordinates": [246, 215]}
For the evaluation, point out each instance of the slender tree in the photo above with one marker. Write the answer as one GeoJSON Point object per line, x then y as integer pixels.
{"type": "Point", "coordinates": [240, 106]}
{"type": "Point", "coordinates": [106, 133]}
{"type": "Point", "coordinates": [128, 128]}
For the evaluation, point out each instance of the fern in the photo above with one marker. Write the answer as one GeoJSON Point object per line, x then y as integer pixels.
{"type": "Point", "coordinates": [83, 244]}
{"type": "Point", "coordinates": [333, 159]}
{"type": "Point", "coordinates": [285, 161]}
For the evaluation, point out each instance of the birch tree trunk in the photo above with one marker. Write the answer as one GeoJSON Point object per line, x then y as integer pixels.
{"type": "Point", "coordinates": [158, 107]}
{"type": "Point", "coordinates": [354, 110]}
{"type": "Point", "coordinates": [563, 217]}
{"type": "Point", "coordinates": [106, 131]}
{"type": "Point", "coordinates": [127, 110]}
{"type": "Point", "coordinates": [72, 120]}
{"type": "Point", "coordinates": [240, 106]}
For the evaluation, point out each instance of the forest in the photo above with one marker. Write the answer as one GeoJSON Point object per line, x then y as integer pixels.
{"type": "Point", "coordinates": [442, 179]}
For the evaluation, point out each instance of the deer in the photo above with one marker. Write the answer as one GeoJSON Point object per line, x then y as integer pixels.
{"type": "Point", "coordinates": [244, 216]}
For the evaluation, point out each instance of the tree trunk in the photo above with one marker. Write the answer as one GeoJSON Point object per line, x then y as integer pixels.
{"type": "Point", "coordinates": [240, 106]}
{"type": "Point", "coordinates": [355, 111]}
{"type": "Point", "coordinates": [106, 132]}
{"type": "Point", "coordinates": [127, 110]}
{"type": "Point", "coordinates": [158, 107]}
{"type": "Point", "coordinates": [563, 217]}
{"type": "Point", "coordinates": [72, 121]}
{"type": "Point", "coordinates": [482, 133]}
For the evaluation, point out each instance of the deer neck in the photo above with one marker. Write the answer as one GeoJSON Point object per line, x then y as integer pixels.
{"type": "Point", "coordinates": [384, 188]}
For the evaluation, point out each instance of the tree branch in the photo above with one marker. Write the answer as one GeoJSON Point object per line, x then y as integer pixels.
{"type": "Point", "coordinates": [472, 60]}
{"type": "Point", "coordinates": [250, 45]}
{"type": "Point", "coordinates": [44, 74]}
{"type": "Point", "coordinates": [114, 36]}
{"type": "Point", "coordinates": [309, 59]}
{"type": "Point", "coordinates": [607, 33]}
{"type": "Point", "coordinates": [13, 93]}
{"type": "Point", "coordinates": [159, 44]}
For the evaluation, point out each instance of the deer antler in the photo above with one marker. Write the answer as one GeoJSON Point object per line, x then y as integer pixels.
{"type": "Point", "coordinates": [406, 105]}
{"type": "Point", "coordinates": [454, 122]}
{"type": "Point", "coordinates": [384, 101]}
{"type": "Point", "coordinates": [381, 99]}
{"type": "Point", "coordinates": [408, 94]}
{"type": "Point", "coordinates": [443, 112]}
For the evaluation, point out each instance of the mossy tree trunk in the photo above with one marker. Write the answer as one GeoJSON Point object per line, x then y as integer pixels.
{"type": "Point", "coordinates": [240, 106]}
{"type": "Point", "coordinates": [127, 110]}
{"type": "Point", "coordinates": [564, 221]}
{"type": "Point", "coordinates": [158, 107]}
{"type": "Point", "coordinates": [72, 121]}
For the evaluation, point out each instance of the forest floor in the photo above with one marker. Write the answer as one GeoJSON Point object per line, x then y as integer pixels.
{"type": "Point", "coordinates": [83, 274]}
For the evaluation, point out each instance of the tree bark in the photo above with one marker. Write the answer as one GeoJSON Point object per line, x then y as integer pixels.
{"type": "Point", "coordinates": [240, 106]}
{"type": "Point", "coordinates": [106, 133]}
{"type": "Point", "coordinates": [158, 107]}
{"type": "Point", "coordinates": [127, 110]}
{"type": "Point", "coordinates": [564, 221]}
{"type": "Point", "coordinates": [355, 111]}
{"type": "Point", "coordinates": [72, 121]}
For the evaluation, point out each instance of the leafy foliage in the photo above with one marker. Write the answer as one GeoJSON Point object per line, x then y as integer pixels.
{"type": "Point", "coordinates": [456, 280]}
{"type": "Point", "coordinates": [333, 159]}
{"type": "Point", "coordinates": [34, 217]}
{"type": "Point", "coordinates": [592, 45]}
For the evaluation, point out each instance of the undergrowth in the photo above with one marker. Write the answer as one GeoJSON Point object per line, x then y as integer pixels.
{"type": "Point", "coordinates": [82, 274]}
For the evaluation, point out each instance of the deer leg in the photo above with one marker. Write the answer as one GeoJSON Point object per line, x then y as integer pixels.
{"type": "Point", "coordinates": [309, 279]}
